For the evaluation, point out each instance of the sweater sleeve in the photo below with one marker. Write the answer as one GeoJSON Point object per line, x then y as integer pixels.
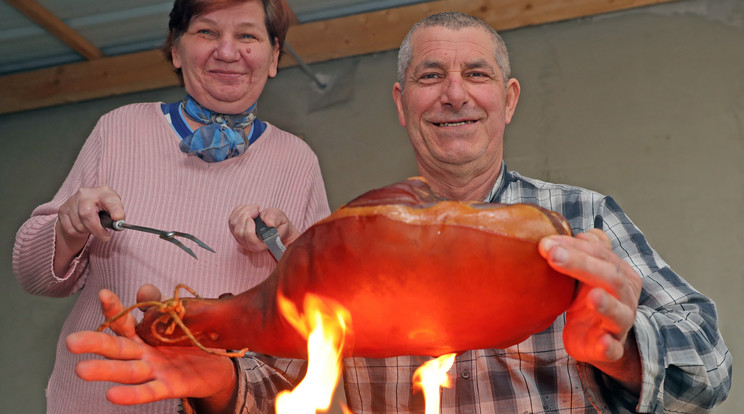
{"type": "Point", "coordinates": [33, 252]}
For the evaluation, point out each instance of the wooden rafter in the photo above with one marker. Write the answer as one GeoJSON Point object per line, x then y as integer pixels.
{"type": "Point", "coordinates": [56, 27]}
{"type": "Point", "coordinates": [314, 42]}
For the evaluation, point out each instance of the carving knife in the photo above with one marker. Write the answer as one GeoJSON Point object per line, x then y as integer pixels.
{"type": "Point", "coordinates": [270, 237]}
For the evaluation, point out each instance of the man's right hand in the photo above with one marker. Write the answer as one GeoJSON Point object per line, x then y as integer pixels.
{"type": "Point", "coordinates": [149, 373]}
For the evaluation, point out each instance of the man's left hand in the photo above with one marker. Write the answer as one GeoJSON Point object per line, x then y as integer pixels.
{"type": "Point", "coordinates": [599, 320]}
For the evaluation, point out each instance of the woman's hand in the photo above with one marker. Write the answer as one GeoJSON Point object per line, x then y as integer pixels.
{"type": "Point", "coordinates": [150, 373]}
{"type": "Point", "coordinates": [600, 319]}
{"type": "Point", "coordinates": [243, 226]}
{"type": "Point", "coordinates": [78, 218]}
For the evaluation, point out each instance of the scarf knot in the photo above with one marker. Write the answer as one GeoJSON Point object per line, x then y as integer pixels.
{"type": "Point", "coordinates": [221, 138]}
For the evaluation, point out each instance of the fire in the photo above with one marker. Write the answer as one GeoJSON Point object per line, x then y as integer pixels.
{"type": "Point", "coordinates": [324, 324]}
{"type": "Point", "coordinates": [430, 376]}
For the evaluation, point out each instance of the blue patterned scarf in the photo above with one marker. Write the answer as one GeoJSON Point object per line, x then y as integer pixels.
{"type": "Point", "coordinates": [221, 138]}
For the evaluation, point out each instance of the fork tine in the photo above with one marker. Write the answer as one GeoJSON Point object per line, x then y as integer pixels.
{"type": "Point", "coordinates": [170, 237]}
{"type": "Point", "coordinates": [194, 239]}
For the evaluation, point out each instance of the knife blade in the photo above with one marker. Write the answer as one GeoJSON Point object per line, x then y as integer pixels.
{"type": "Point", "coordinates": [270, 237]}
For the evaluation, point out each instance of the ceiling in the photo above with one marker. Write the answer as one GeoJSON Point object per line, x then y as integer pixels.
{"type": "Point", "coordinates": [120, 27]}
{"type": "Point", "coordinates": [58, 51]}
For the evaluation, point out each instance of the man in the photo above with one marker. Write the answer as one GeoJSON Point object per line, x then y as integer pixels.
{"type": "Point", "coordinates": [636, 338]}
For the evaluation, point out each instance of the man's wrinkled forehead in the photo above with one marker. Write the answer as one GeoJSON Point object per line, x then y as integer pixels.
{"type": "Point", "coordinates": [444, 65]}
{"type": "Point", "coordinates": [437, 48]}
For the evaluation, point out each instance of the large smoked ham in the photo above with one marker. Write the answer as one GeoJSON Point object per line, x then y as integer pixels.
{"type": "Point", "coordinates": [417, 274]}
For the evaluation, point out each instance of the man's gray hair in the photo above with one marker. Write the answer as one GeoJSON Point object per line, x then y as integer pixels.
{"type": "Point", "coordinates": [453, 21]}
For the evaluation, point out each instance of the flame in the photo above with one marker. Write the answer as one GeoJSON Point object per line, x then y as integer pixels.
{"type": "Point", "coordinates": [324, 325]}
{"type": "Point", "coordinates": [430, 376]}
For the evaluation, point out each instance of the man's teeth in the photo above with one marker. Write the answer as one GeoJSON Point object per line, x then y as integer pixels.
{"type": "Point", "coordinates": [447, 124]}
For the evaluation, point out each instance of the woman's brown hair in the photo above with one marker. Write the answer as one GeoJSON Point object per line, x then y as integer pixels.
{"type": "Point", "coordinates": [278, 20]}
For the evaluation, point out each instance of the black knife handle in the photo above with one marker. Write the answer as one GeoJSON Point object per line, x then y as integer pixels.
{"type": "Point", "coordinates": [262, 230]}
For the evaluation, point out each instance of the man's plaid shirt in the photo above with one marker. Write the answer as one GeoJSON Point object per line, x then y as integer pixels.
{"type": "Point", "coordinates": [686, 365]}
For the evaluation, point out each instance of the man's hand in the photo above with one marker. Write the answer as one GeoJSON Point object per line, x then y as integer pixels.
{"type": "Point", "coordinates": [243, 228]}
{"type": "Point", "coordinates": [150, 373]}
{"type": "Point", "coordinates": [599, 321]}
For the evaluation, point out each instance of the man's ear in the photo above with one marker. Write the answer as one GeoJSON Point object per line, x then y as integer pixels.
{"type": "Point", "coordinates": [398, 98]}
{"type": "Point", "coordinates": [512, 97]}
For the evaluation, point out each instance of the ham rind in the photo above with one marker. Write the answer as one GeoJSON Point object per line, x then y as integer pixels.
{"type": "Point", "coordinates": [418, 276]}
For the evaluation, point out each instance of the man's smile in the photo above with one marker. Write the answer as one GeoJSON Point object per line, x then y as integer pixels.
{"type": "Point", "coordinates": [453, 123]}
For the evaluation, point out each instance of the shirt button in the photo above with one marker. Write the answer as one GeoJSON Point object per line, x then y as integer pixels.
{"type": "Point", "coordinates": [465, 373]}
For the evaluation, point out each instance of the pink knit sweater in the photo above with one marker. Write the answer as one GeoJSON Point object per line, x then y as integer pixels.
{"type": "Point", "coordinates": [134, 150]}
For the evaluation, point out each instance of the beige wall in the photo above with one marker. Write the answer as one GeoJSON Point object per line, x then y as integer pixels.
{"type": "Point", "coordinates": [647, 106]}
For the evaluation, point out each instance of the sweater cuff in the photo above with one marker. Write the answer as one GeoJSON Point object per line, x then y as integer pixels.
{"type": "Point", "coordinates": [78, 262]}
{"type": "Point", "coordinates": [33, 260]}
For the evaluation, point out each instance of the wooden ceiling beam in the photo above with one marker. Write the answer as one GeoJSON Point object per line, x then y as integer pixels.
{"type": "Point", "coordinates": [384, 30]}
{"type": "Point", "coordinates": [57, 28]}
{"type": "Point", "coordinates": [313, 42]}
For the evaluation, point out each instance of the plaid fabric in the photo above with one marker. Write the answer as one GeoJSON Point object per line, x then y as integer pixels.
{"type": "Point", "coordinates": [263, 377]}
{"type": "Point", "coordinates": [686, 365]}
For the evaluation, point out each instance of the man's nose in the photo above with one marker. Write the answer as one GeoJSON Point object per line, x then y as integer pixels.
{"type": "Point", "coordinates": [455, 92]}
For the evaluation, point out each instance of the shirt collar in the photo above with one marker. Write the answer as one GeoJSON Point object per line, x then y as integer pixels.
{"type": "Point", "coordinates": [498, 186]}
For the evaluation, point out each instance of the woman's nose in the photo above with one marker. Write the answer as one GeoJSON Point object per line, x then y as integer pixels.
{"type": "Point", "coordinates": [227, 49]}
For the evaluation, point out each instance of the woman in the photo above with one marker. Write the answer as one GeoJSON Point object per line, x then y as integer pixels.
{"type": "Point", "coordinates": [192, 166]}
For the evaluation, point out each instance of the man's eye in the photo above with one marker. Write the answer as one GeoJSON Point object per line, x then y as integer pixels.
{"type": "Point", "coordinates": [479, 76]}
{"type": "Point", "coordinates": [204, 31]}
{"type": "Point", "coordinates": [247, 36]}
{"type": "Point", "coordinates": [430, 76]}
